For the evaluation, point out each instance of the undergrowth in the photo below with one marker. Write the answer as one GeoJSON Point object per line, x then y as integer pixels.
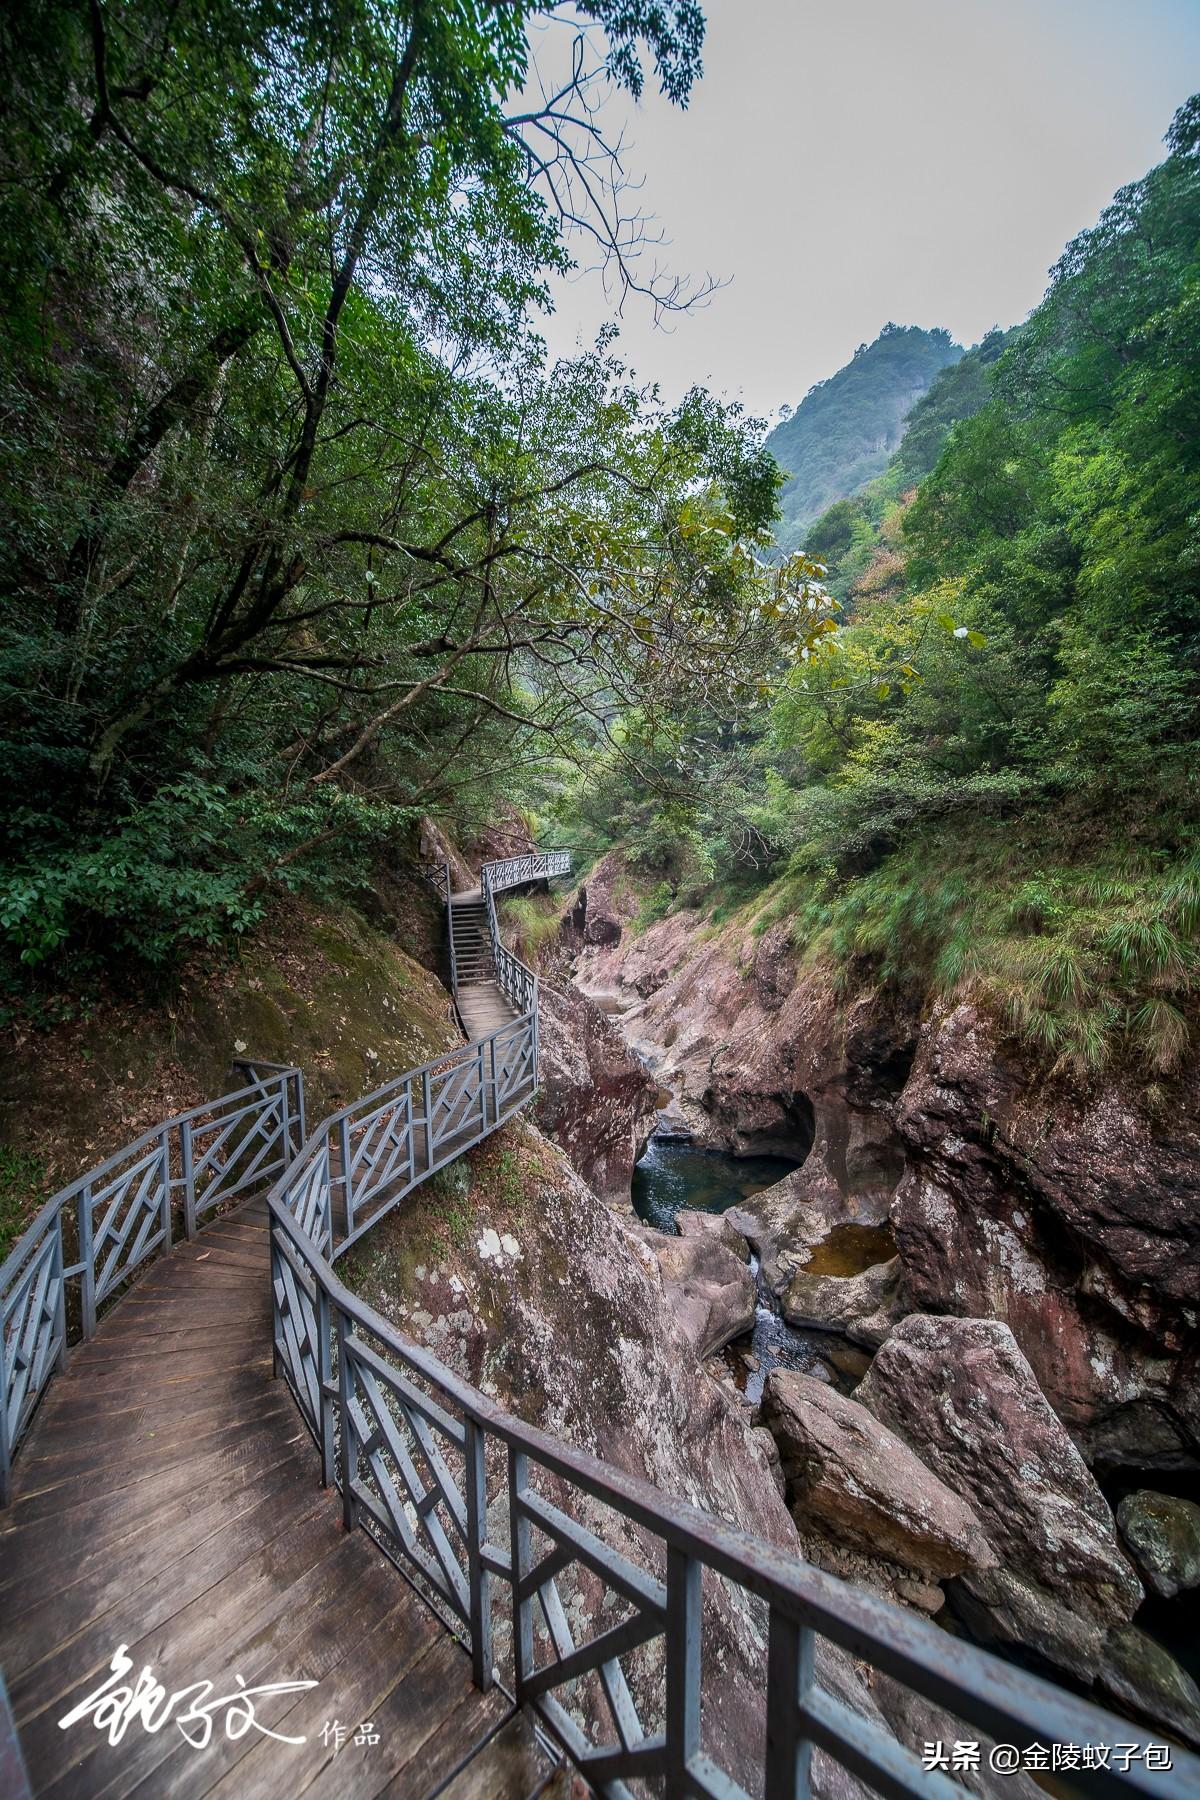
{"type": "Point", "coordinates": [1089, 963]}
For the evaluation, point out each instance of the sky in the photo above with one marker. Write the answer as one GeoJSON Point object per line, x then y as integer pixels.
{"type": "Point", "coordinates": [847, 162]}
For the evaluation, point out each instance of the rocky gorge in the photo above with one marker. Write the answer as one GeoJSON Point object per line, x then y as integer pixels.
{"type": "Point", "coordinates": [1019, 1263]}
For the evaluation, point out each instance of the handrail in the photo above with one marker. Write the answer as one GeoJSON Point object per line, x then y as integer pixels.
{"type": "Point", "coordinates": [410, 1446]}
{"type": "Point", "coordinates": [122, 1213]}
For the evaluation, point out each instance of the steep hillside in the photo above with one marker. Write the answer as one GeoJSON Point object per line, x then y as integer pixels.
{"type": "Point", "coordinates": [845, 429]}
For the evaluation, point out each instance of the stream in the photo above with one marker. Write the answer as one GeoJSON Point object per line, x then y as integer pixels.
{"type": "Point", "coordinates": [672, 1175]}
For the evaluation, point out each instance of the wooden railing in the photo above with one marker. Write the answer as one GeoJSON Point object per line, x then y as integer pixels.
{"type": "Point", "coordinates": [88, 1239]}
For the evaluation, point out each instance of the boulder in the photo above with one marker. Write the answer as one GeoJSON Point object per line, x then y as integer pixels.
{"type": "Point", "coordinates": [863, 1486]}
{"type": "Point", "coordinates": [690, 1222]}
{"type": "Point", "coordinates": [865, 1307]}
{"type": "Point", "coordinates": [601, 907]}
{"type": "Point", "coordinates": [709, 1289]}
{"type": "Point", "coordinates": [595, 1097]}
{"type": "Point", "coordinates": [1162, 1532]}
{"type": "Point", "coordinates": [961, 1394]}
{"type": "Point", "coordinates": [1139, 1675]}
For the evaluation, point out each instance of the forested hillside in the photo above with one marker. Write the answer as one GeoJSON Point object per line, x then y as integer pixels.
{"type": "Point", "coordinates": [302, 536]}
{"type": "Point", "coordinates": [988, 781]}
{"type": "Point", "coordinates": [844, 430]}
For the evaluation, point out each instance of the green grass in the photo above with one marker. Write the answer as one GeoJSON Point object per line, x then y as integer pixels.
{"type": "Point", "coordinates": [1091, 963]}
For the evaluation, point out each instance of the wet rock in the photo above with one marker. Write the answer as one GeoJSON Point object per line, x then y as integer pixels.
{"type": "Point", "coordinates": [961, 1394]}
{"type": "Point", "coordinates": [865, 1307]}
{"type": "Point", "coordinates": [595, 1098]}
{"type": "Point", "coordinates": [709, 1289]}
{"type": "Point", "coordinates": [1162, 1532]}
{"type": "Point", "coordinates": [863, 1486]}
{"type": "Point", "coordinates": [1140, 1675]}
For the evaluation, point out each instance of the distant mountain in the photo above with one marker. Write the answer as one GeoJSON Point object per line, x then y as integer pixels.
{"type": "Point", "coordinates": [845, 429]}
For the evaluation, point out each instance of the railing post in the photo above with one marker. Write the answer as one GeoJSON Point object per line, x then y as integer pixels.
{"type": "Point", "coordinates": [684, 1575]}
{"type": "Point", "coordinates": [189, 1178]}
{"type": "Point", "coordinates": [285, 1121]}
{"type": "Point", "coordinates": [298, 1077]}
{"type": "Point", "coordinates": [60, 1304]}
{"type": "Point", "coordinates": [521, 1543]}
{"type": "Point", "coordinates": [790, 1674]}
{"type": "Point", "coordinates": [88, 1262]}
{"type": "Point", "coordinates": [325, 1386]}
{"type": "Point", "coordinates": [164, 1174]}
{"type": "Point", "coordinates": [495, 1086]}
{"type": "Point", "coordinates": [349, 1458]}
{"type": "Point", "coordinates": [347, 1191]}
{"type": "Point", "coordinates": [276, 1256]}
{"type": "Point", "coordinates": [475, 1482]}
{"type": "Point", "coordinates": [427, 1119]}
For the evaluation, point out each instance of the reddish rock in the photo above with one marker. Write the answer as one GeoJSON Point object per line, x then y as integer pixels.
{"type": "Point", "coordinates": [1075, 1221]}
{"type": "Point", "coordinates": [595, 1098]}
{"type": "Point", "coordinates": [862, 1485]}
{"type": "Point", "coordinates": [961, 1394]}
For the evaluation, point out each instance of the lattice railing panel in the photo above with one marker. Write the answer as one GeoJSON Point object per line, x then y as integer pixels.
{"type": "Point", "coordinates": [237, 1147]}
{"type": "Point", "coordinates": [32, 1332]}
{"type": "Point", "coordinates": [297, 1327]}
{"type": "Point", "coordinates": [404, 1456]}
{"type": "Point", "coordinates": [128, 1216]}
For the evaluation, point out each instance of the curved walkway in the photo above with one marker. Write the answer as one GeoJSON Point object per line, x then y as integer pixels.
{"type": "Point", "coordinates": [166, 1501]}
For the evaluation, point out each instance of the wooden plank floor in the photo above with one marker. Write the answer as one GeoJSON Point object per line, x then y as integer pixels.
{"type": "Point", "coordinates": [167, 1500]}
{"type": "Point", "coordinates": [483, 1007]}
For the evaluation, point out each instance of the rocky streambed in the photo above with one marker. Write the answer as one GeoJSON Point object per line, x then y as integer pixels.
{"type": "Point", "coordinates": [966, 1310]}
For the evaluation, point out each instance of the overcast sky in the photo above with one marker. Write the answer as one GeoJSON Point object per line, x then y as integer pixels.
{"type": "Point", "coordinates": [846, 162]}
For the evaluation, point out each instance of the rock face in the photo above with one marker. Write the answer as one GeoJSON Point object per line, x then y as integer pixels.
{"type": "Point", "coordinates": [1076, 1222]}
{"type": "Point", "coordinates": [859, 1482]}
{"type": "Point", "coordinates": [961, 1394]}
{"type": "Point", "coordinates": [1162, 1532]}
{"type": "Point", "coordinates": [709, 1290]}
{"type": "Point", "coordinates": [596, 1099]}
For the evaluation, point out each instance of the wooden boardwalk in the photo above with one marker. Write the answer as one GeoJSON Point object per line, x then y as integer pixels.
{"type": "Point", "coordinates": [167, 1499]}
{"type": "Point", "coordinates": [482, 1004]}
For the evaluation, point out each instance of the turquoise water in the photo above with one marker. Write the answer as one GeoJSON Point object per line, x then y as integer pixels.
{"type": "Point", "coordinates": [671, 1176]}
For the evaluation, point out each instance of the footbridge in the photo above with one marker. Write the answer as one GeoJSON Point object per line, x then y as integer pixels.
{"type": "Point", "coordinates": [257, 1541]}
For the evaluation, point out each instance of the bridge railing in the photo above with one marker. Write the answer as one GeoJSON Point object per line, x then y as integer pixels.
{"type": "Point", "coordinates": [85, 1243]}
{"type": "Point", "coordinates": [493, 1518]}
{"type": "Point", "coordinates": [367, 1157]}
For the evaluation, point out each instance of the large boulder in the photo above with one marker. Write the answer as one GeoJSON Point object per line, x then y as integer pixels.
{"type": "Point", "coordinates": [709, 1288]}
{"type": "Point", "coordinates": [595, 1098]}
{"type": "Point", "coordinates": [962, 1395]}
{"type": "Point", "coordinates": [1162, 1532]}
{"type": "Point", "coordinates": [865, 1307]}
{"type": "Point", "coordinates": [862, 1485]}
